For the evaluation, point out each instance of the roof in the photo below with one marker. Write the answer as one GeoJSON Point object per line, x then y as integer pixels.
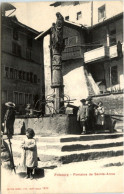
{"type": "Point", "coordinates": [81, 27]}
{"type": "Point", "coordinates": [13, 20]}
{"type": "Point", "coordinates": [66, 23]}
{"type": "Point", "coordinates": [7, 6]}
{"type": "Point", "coordinates": [56, 4]}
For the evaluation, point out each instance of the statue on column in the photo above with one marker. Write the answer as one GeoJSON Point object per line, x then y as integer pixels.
{"type": "Point", "coordinates": [57, 46]}
{"type": "Point", "coordinates": [57, 42]}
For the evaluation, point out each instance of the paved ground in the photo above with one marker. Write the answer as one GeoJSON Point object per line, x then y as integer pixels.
{"type": "Point", "coordinates": [80, 177]}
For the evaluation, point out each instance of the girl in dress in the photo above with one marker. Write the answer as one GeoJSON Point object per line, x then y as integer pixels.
{"type": "Point", "coordinates": [30, 152]}
{"type": "Point", "coordinates": [100, 115]}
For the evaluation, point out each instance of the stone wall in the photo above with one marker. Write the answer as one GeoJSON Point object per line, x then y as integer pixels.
{"type": "Point", "coordinates": [113, 103]}
{"type": "Point", "coordinates": [48, 126]}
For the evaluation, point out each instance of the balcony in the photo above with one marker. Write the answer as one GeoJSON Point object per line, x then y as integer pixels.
{"type": "Point", "coordinates": [113, 51]}
{"type": "Point", "coordinates": [96, 54]}
{"type": "Point", "coordinates": [72, 52]}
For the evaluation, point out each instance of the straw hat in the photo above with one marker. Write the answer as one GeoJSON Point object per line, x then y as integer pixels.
{"type": "Point", "coordinates": [10, 104]}
{"type": "Point", "coordinates": [82, 100]}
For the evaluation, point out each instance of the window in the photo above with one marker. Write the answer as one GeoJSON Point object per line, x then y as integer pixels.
{"type": "Point", "coordinates": [30, 98]}
{"type": "Point", "coordinates": [15, 97]}
{"type": "Point", "coordinates": [26, 99]}
{"type": "Point", "coordinates": [114, 75]}
{"type": "Point", "coordinates": [67, 18]}
{"type": "Point", "coordinates": [101, 13]}
{"type": "Point", "coordinates": [28, 53]}
{"type": "Point", "coordinates": [20, 75]}
{"type": "Point", "coordinates": [11, 73]}
{"type": "Point", "coordinates": [16, 49]}
{"type": "Point", "coordinates": [23, 75]}
{"type": "Point", "coordinates": [28, 76]}
{"type": "Point", "coordinates": [29, 42]}
{"type": "Point", "coordinates": [79, 15]}
{"type": "Point", "coordinates": [31, 77]}
{"type": "Point", "coordinates": [35, 78]}
{"type": "Point", "coordinates": [4, 96]}
{"type": "Point", "coordinates": [72, 40]}
{"type": "Point", "coordinates": [15, 34]}
{"type": "Point", "coordinates": [7, 72]}
{"type": "Point", "coordinates": [21, 98]}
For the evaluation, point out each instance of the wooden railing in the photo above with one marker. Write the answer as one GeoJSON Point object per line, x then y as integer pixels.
{"type": "Point", "coordinates": [96, 54]}
{"type": "Point", "coordinates": [72, 52]}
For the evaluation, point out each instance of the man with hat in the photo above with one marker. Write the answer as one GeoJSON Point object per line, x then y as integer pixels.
{"type": "Point", "coordinates": [9, 119]}
{"type": "Point", "coordinates": [91, 118]}
{"type": "Point", "coordinates": [82, 115]}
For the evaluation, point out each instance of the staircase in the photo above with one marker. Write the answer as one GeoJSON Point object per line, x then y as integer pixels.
{"type": "Point", "coordinates": [55, 151]}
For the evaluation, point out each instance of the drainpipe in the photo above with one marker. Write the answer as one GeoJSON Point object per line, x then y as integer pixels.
{"type": "Point", "coordinates": [91, 13]}
{"type": "Point", "coordinates": [108, 39]}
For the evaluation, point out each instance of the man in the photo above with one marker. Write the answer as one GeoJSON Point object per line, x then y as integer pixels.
{"type": "Point", "coordinates": [82, 115]}
{"type": "Point", "coordinates": [91, 118]}
{"type": "Point", "coordinates": [9, 119]}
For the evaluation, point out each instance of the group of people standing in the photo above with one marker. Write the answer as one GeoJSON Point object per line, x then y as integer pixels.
{"type": "Point", "coordinates": [90, 115]}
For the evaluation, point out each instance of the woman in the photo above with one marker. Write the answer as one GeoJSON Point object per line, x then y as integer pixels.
{"type": "Point", "coordinates": [100, 115]}
{"type": "Point", "coordinates": [9, 118]}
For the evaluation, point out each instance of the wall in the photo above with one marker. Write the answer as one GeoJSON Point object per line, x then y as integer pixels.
{"type": "Point", "coordinates": [68, 9]}
{"type": "Point", "coordinates": [112, 103]}
{"type": "Point", "coordinates": [47, 70]}
{"type": "Point", "coordinates": [74, 80]}
{"type": "Point", "coordinates": [119, 30]}
{"type": "Point", "coordinates": [107, 66]}
{"type": "Point", "coordinates": [47, 126]}
{"type": "Point", "coordinates": [7, 39]}
{"type": "Point", "coordinates": [112, 8]}
{"type": "Point", "coordinates": [21, 63]}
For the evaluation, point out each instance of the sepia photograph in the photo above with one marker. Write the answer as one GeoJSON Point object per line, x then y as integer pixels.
{"type": "Point", "coordinates": [62, 84]}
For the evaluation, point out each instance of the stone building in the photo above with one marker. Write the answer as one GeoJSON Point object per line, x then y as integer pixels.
{"type": "Point", "coordinates": [87, 13]}
{"type": "Point", "coordinates": [21, 64]}
{"type": "Point", "coordinates": [92, 60]}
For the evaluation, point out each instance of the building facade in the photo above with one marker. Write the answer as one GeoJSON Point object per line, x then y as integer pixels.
{"type": "Point", "coordinates": [87, 13]}
{"type": "Point", "coordinates": [92, 60]}
{"type": "Point", "coordinates": [22, 64]}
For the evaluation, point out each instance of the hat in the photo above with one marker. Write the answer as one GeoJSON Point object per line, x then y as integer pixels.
{"type": "Point", "coordinates": [82, 100]}
{"type": "Point", "coordinates": [89, 98]}
{"type": "Point", "coordinates": [10, 104]}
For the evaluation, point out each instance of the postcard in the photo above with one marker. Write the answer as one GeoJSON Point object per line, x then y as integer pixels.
{"type": "Point", "coordinates": [62, 97]}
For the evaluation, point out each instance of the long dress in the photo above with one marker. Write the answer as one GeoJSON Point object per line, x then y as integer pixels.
{"type": "Point", "coordinates": [100, 116]}
{"type": "Point", "coordinates": [30, 153]}
{"type": "Point", "coordinates": [9, 119]}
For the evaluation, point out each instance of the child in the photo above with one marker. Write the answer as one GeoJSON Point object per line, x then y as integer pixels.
{"type": "Point", "coordinates": [100, 115]}
{"type": "Point", "coordinates": [30, 149]}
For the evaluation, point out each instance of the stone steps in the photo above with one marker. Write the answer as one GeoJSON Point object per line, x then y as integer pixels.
{"type": "Point", "coordinates": [75, 146]}
{"type": "Point", "coordinates": [54, 151]}
{"type": "Point", "coordinates": [73, 138]}
{"type": "Point", "coordinates": [75, 156]}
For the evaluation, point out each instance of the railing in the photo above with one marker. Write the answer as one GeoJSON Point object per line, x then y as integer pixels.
{"type": "Point", "coordinates": [96, 54]}
{"type": "Point", "coordinates": [72, 52]}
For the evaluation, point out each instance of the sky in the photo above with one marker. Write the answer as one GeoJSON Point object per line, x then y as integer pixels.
{"type": "Point", "coordinates": [37, 15]}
